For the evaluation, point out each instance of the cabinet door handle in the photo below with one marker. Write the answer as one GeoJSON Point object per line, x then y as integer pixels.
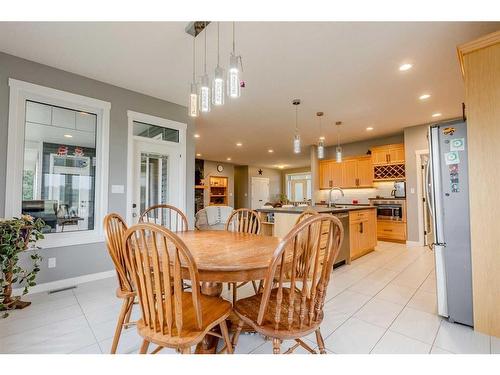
{"type": "Point", "coordinates": [361, 227]}
{"type": "Point", "coordinates": [330, 183]}
{"type": "Point", "coordinates": [387, 230]}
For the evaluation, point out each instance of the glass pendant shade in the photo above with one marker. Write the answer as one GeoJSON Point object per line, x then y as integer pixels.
{"type": "Point", "coordinates": [233, 78]}
{"type": "Point", "coordinates": [193, 101]}
{"type": "Point", "coordinates": [218, 87]}
{"type": "Point", "coordinates": [338, 154]}
{"type": "Point", "coordinates": [205, 94]}
{"type": "Point", "coordinates": [321, 149]}
{"type": "Point", "coordinates": [296, 144]}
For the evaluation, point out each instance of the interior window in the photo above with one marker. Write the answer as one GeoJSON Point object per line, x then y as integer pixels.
{"type": "Point", "coordinates": [59, 167]}
{"type": "Point", "coordinates": [161, 133]}
{"type": "Point", "coordinates": [299, 188]}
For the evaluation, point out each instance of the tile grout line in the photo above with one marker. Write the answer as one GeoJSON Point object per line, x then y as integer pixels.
{"type": "Point", "coordinates": [88, 323]}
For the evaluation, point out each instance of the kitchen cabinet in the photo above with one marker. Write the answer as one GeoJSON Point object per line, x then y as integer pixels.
{"type": "Point", "coordinates": [353, 172]}
{"type": "Point", "coordinates": [388, 154]}
{"type": "Point", "coordinates": [362, 232]}
{"type": "Point", "coordinates": [394, 231]}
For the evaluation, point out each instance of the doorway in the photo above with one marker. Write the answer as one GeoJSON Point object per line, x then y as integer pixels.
{"type": "Point", "coordinates": [156, 164]}
{"type": "Point", "coordinates": [260, 192]}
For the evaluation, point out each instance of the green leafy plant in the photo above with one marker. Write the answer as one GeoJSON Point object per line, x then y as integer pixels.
{"type": "Point", "coordinates": [16, 235]}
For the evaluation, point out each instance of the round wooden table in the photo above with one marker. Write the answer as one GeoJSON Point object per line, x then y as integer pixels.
{"type": "Point", "coordinates": [223, 256]}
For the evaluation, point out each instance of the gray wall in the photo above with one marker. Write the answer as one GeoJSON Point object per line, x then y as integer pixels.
{"type": "Point", "coordinates": [415, 139]}
{"type": "Point", "coordinates": [361, 147]}
{"type": "Point", "coordinates": [210, 169]}
{"type": "Point", "coordinates": [241, 186]}
{"type": "Point", "coordinates": [86, 259]}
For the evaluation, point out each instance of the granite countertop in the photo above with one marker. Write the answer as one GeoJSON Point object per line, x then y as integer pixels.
{"type": "Point", "coordinates": [320, 209]}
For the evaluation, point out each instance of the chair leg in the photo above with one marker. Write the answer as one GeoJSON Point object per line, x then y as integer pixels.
{"type": "Point", "coordinates": [119, 324]}
{"type": "Point", "coordinates": [276, 345]}
{"type": "Point", "coordinates": [237, 333]}
{"type": "Point", "coordinates": [129, 312]}
{"type": "Point", "coordinates": [144, 347]}
{"type": "Point", "coordinates": [255, 288]}
{"type": "Point", "coordinates": [225, 335]}
{"type": "Point", "coordinates": [321, 343]}
{"type": "Point", "coordinates": [186, 350]}
{"type": "Point", "coordinates": [235, 293]}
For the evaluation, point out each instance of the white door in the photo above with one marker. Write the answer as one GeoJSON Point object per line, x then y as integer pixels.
{"type": "Point", "coordinates": [157, 177]}
{"type": "Point", "coordinates": [260, 192]}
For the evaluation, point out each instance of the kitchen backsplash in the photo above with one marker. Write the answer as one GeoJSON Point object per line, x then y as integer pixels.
{"type": "Point", "coordinates": [382, 189]}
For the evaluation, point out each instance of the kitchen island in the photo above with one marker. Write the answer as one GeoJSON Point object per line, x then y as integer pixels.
{"type": "Point", "coordinates": [359, 223]}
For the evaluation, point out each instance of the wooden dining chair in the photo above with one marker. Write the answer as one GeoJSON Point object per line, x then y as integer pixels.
{"type": "Point", "coordinates": [167, 216]}
{"type": "Point", "coordinates": [293, 309]}
{"type": "Point", "coordinates": [308, 212]}
{"type": "Point", "coordinates": [114, 229]}
{"type": "Point", "coordinates": [243, 220]}
{"type": "Point", "coordinates": [171, 317]}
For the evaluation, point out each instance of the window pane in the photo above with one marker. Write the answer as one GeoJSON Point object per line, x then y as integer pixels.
{"type": "Point", "coordinates": [155, 132]}
{"type": "Point", "coordinates": [59, 167]}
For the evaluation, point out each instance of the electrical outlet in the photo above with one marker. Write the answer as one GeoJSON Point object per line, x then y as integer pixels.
{"type": "Point", "coordinates": [52, 263]}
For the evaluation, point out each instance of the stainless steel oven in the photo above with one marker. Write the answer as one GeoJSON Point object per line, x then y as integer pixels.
{"type": "Point", "coordinates": [389, 209]}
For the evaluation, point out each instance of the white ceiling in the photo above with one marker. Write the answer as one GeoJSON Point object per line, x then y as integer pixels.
{"type": "Point", "coordinates": [349, 70]}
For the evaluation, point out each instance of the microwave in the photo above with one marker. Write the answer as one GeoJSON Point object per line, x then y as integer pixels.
{"type": "Point", "coordinates": [390, 212]}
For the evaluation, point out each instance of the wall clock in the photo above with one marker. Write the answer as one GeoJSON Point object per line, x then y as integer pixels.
{"type": "Point", "coordinates": [220, 168]}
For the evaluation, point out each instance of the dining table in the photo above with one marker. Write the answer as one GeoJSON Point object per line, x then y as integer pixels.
{"type": "Point", "coordinates": [227, 257]}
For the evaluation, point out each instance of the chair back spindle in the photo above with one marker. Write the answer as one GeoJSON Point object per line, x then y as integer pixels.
{"type": "Point", "coordinates": [167, 216]}
{"type": "Point", "coordinates": [155, 256]}
{"type": "Point", "coordinates": [304, 286]}
{"type": "Point", "coordinates": [243, 220]}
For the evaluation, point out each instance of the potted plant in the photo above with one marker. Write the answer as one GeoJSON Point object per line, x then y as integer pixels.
{"type": "Point", "coordinates": [16, 235]}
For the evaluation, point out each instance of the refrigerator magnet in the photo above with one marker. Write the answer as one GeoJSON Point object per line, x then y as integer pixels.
{"type": "Point", "coordinates": [457, 144]}
{"type": "Point", "coordinates": [451, 158]}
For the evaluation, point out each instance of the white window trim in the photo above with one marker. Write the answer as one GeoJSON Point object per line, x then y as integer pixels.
{"type": "Point", "coordinates": [157, 121]}
{"type": "Point", "coordinates": [21, 91]}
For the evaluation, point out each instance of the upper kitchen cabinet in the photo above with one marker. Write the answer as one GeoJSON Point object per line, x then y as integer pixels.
{"type": "Point", "coordinates": [388, 154]}
{"type": "Point", "coordinates": [352, 172]}
{"type": "Point", "coordinates": [388, 162]}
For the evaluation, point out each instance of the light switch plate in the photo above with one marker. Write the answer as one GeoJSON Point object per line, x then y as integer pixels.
{"type": "Point", "coordinates": [52, 262]}
{"type": "Point", "coordinates": [117, 189]}
{"type": "Point", "coordinates": [412, 190]}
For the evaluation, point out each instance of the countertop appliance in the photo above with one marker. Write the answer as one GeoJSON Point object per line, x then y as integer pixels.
{"type": "Point", "coordinates": [447, 195]}
{"type": "Point", "coordinates": [389, 209]}
{"type": "Point", "coordinates": [345, 248]}
{"type": "Point", "coordinates": [399, 189]}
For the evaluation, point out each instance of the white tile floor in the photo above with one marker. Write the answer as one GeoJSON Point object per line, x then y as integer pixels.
{"type": "Point", "coordinates": [383, 302]}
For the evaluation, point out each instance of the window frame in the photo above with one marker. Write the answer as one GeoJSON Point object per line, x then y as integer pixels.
{"type": "Point", "coordinates": [20, 93]}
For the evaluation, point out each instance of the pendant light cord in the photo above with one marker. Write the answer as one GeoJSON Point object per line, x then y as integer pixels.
{"type": "Point", "coordinates": [234, 43]}
{"type": "Point", "coordinates": [218, 43]}
{"type": "Point", "coordinates": [205, 59]}
{"type": "Point", "coordinates": [194, 59]}
{"type": "Point", "coordinates": [296, 119]}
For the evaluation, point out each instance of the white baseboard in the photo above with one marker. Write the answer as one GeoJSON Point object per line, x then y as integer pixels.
{"type": "Point", "coordinates": [65, 283]}
{"type": "Point", "coordinates": [414, 243]}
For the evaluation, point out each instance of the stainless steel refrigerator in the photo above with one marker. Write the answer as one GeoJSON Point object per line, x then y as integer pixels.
{"type": "Point", "coordinates": [448, 200]}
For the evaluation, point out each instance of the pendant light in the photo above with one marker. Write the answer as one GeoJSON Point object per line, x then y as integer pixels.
{"type": "Point", "coordinates": [338, 150]}
{"type": "Point", "coordinates": [218, 85]}
{"type": "Point", "coordinates": [205, 82]}
{"type": "Point", "coordinates": [296, 139]}
{"type": "Point", "coordinates": [321, 145]}
{"type": "Point", "coordinates": [193, 97]}
{"type": "Point", "coordinates": [233, 78]}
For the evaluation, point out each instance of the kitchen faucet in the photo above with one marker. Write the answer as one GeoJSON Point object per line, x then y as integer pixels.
{"type": "Point", "coordinates": [330, 203]}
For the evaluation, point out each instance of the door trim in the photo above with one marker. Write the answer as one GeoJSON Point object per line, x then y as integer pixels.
{"type": "Point", "coordinates": [420, 211]}
{"type": "Point", "coordinates": [158, 121]}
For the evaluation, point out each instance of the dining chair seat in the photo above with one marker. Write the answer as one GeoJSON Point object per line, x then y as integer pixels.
{"type": "Point", "coordinates": [247, 309]}
{"type": "Point", "coordinates": [213, 313]}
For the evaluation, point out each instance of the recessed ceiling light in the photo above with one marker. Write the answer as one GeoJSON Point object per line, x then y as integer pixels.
{"type": "Point", "coordinates": [436, 114]}
{"type": "Point", "coordinates": [270, 151]}
{"type": "Point", "coordinates": [198, 154]}
{"type": "Point", "coordinates": [405, 67]}
{"type": "Point", "coordinates": [239, 144]}
{"type": "Point", "coordinates": [197, 136]}
{"type": "Point", "coordinates": [321, 138]}
{"type": "Point", "coordinates": [68, 136]}
{"type": "Point", "coordinates": [370, 128]}
{"type": "Point", "coordinates": [228, 159]}
{"type": "Point", "coordinates": [424, 96]}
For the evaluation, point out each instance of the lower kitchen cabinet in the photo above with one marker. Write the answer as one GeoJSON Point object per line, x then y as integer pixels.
{"type": "Point", "coordinates": [362, 232]}
{"type": "Point", "coordinates": [388, 230]}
